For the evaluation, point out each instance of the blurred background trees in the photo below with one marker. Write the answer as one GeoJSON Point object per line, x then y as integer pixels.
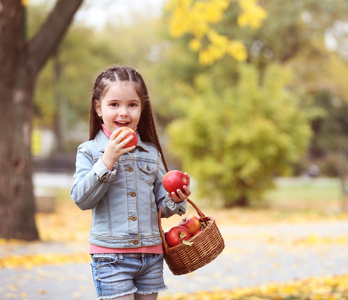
{"type": "Point", "coordinates": [305, 38]}
{"type": "Point", "coordinates": [256, 91]}
{"type": "Point", "coordinates": [235, 140]}
{"type": "Point", "coordinates": [62, 98]}
{"type": "Point", "coordinates": [247, 82]}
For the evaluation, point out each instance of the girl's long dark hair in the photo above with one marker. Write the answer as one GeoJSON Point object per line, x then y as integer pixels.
{"type": "Point", "coordinates": [146, 126]}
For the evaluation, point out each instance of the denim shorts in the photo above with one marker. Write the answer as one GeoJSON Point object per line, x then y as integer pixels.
{"type": "Point", "coordinates": [119, 274]}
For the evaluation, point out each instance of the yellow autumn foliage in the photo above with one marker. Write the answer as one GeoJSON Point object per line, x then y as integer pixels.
{"type": "Point", "coordinates": [326, 288]}
{"type": "Point", "coordinates": [252, 15]}
{"type": "Point", "coordinates": [25, 2]}
{"type": "Point", "coordinates": [197, 18]}
{"type": "Point", "coordinates": [33, 260]}
{"type": "Point", "coordinates": [55, 228]}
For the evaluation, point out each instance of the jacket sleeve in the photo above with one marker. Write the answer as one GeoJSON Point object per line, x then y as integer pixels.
{"type": "Point", "coordinates": [91, 180]}
{"type": "Point", "coordinates": [169, 207]}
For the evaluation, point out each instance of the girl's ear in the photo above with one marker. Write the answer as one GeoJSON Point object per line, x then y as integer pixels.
{"type": "Point", "coordinates": [97, 107]}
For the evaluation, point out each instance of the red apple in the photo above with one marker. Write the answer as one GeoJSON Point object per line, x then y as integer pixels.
{"type": "Point", "coordinates": [197, 232]}
{"type": "Point", "coordinates": [192, 223]}
{"type": "Point", "coordinates": [133, 141]}
{"type": "Point", "coordinates": [174, 180]}
{"type": "Point", "coordinates": [176, 235]}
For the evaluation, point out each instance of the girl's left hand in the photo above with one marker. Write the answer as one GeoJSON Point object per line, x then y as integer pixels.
{"type": "Point", "coordinates": [179, 195]}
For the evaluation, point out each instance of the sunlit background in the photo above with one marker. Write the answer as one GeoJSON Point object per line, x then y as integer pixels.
{"type": "Point", "coordinates": [250, 98]}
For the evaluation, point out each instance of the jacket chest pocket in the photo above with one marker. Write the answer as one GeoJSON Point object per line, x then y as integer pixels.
{"type": "Point", "coordinates": [147, 172]}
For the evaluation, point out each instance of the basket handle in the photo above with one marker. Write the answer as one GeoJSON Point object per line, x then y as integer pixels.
{"type": "Point", "coordinates": [164, 242]}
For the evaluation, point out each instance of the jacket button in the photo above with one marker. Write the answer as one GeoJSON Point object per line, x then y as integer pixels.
{"type": "Point", "coordinates": [130, 169]}
{"type": "Point", "coordinates": [133, 194]}
{"type": "Point", "coordinates": [135, 242]}
{"type": "Point", "coordinates": [134, 218]}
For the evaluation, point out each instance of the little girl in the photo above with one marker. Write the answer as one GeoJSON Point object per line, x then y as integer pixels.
{"type": "Point", "coordinates": [123, 188]}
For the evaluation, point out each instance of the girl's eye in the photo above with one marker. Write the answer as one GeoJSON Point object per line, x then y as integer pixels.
{"type": "Point", "coordinates": [133, 105]}
{"type": "Point", "coordinates": [114, 104]}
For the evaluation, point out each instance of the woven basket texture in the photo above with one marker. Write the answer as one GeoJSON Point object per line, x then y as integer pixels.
{"type": "Point", "coordinates": [206, 246]}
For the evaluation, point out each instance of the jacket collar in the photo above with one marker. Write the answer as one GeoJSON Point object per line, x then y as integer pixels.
{"type": "Point", "coordinates": [102, 141]}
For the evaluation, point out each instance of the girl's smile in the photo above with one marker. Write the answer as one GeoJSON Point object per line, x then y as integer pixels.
{"type": "Point", "coordinates": [120, 106]}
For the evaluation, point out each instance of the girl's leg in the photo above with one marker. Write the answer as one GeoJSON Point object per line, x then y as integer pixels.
{"type": "Point", "coordinates": [145, 297]}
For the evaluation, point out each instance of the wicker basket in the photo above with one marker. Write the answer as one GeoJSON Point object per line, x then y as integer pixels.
{"type": "Point", "coordinates": [206, 246]}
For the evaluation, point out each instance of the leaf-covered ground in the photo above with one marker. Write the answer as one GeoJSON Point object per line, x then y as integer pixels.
{"type": "Point", "coordinates": [329, 288]}
{"type": "Point", "coordinates": [255, 240]}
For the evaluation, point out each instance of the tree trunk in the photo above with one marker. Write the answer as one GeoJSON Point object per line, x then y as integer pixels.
{"type": "Point", "coordinates": [241, 201]}
{"type": "Point", "coordinates": [21, 62]}
{"type": "Point", "coordinates": [16, 188]}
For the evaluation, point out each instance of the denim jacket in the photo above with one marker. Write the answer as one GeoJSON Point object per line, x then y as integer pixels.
{"type": "Point", "coordinates": [126, 200]}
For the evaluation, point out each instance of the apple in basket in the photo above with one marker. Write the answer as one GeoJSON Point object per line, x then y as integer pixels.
{"type": "Point", "coordinates": [174, 180]}
{"type": "Point", "coordinates": [197, 232]}
{"type": "Point", "coordinates": [191, 222]}
{"type": "Point", "coordinates": [133, 141]}
{"type": "Point", "coordinates": [176, 235]}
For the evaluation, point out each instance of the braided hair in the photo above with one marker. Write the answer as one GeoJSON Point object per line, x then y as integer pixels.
{"type": "Point", "coordinates": [146, 126]}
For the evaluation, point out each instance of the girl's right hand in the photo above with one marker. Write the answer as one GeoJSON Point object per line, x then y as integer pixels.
{"type": "Point", "coordinates": [115, 149]}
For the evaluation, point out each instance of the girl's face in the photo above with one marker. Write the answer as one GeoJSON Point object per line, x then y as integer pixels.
{"type": "Point", "coordinates": [120, 106]}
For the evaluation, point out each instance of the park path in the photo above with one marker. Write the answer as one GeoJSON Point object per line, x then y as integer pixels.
{"type": "Point", "coordinates": [254, 255]}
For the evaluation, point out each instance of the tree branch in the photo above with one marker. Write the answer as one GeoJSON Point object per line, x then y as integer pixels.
{"type": "Point", "coordinates": [43, 44]}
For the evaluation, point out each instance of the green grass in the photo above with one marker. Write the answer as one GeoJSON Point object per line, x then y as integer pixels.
{"type": "Point", "coordinates": [305, 192]}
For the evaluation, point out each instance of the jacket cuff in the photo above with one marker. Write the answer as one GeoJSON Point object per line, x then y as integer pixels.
{"type": "Point", "coordinates": [182, 207]}
{"type": "Point", "coordinates": [102, 172]}
{"type": "Point", "coordinates": [171, 207]}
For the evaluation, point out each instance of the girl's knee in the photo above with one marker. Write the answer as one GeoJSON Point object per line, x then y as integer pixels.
{"type": "Point", "coordinates": [125, 297]}
{"type": "Point", "coordinates": [145, 297]}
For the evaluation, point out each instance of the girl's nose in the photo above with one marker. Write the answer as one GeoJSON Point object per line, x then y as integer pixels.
{"type": "Point", "coordinates": [123, 111]}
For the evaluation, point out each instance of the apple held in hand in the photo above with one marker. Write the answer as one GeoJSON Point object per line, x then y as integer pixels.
{"type": "Point", "coordinates": [192, 223]}
{"type": "Point", "coordinates": [133, 141]}
{"type": "Point", "coordinates": [174, 180]}
{"type": "Point", "coordinates": [176, 235]}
